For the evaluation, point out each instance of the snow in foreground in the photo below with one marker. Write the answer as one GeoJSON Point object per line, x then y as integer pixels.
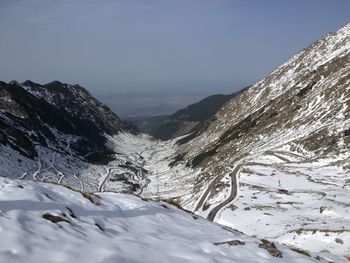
{"type": "Point", "coordinates": [50, 223]}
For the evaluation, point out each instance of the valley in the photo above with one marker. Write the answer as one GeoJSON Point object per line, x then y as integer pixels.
{"type": "Point", "coordinates": [278, 195]}
{"type": "Point", "coordinates": [268, 164]}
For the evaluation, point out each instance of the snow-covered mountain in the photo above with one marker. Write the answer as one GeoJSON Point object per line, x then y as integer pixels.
{"type": "Point", "coordinates": [278, 154]}
{"type": "Point", "coordinates": [58, 132]}
{"type": "Point", "coordinates": [185, 120]}
{"type": "Point", "coordinates": [273, 163]}
{"type": "Point", "coordinates": [303, 104]}
{"type": "Point", "coordinates": [33, 114]}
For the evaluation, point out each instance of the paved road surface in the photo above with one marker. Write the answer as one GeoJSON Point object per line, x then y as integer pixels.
{"type": "Point", "coordinates": [212, 214]}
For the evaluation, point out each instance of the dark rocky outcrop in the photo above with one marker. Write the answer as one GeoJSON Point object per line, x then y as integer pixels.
{"type": "Point", "coordinates": [32, 114]}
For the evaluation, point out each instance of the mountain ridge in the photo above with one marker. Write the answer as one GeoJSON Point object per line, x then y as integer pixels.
{"type": "Point", "coordinates": [273, 162]}
{"type": "Point", "coordinates": [280, 140]}
{"type": "Point", "coordinates": [184, 120]}
{"type": "Point", "coordinates": [65, 108]}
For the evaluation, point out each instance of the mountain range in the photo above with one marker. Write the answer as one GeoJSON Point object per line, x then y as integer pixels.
{"type": "Point", "coordinates": [183, 121]}
{"type": "Point", "coordinates": [271, 161]}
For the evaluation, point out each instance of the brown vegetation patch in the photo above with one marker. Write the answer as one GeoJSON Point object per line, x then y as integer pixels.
{"type": "Point", "coordinates": [300, 251]}
{"type": "Point", "coordinates": [54, 219]}
{"type": "Point", "coordinates": [271, 248]}
{"type": "Point", "coordinates": [94, 199]}
{"type": "Point", "coordinates": [339, 241]}
{"type": "Point", "coordinates": [231, 243]}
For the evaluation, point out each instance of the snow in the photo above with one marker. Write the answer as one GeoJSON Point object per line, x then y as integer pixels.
{"type": "Point", "coordinates": [294, 182]}
{"type": "Point", "coordinates": [286, 192]}
{"type": "Point", "coordinates": [163, 181]}
{"type": "Point", "coordinates": [284, 82]}
{"type": "Point", "coordinates": [273, 214]}
{"type": "Point", "coordinates": [115, 228]}
{"type": "Point", "coordinates": [305, 205]}
{"type": "Point", "coordinates": [179, 183]}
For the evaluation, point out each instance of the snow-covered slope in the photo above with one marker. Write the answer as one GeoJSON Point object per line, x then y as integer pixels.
{"type": "Point", "coordinates": [280, 196]}
{"type": "Point", "coordinates": [303, 104]}
{"type": "Point", "coordinates": [60, 133]}
{"type": "Point", "coordinates": [50, 223]}
{"type": "Point", "coordinates": [274, 161]}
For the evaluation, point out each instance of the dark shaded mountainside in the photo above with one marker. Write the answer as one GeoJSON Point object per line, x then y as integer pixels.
{"type": "Point", "coordinates": [32, 114]}
{"type": "Point", "coordinates": [147, 124]}
{"type": "Point", "coordinates": [185, 120]}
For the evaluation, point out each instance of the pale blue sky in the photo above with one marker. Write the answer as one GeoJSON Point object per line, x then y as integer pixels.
{"type": "Point", "coordinates": [168, 46]}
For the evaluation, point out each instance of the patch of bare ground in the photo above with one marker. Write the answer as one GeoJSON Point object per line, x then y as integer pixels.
{"type": "Point", "coordinates": [300, 251]}
{"type": "Point", "coordinates": [339, 241]}
{"type": "Point", "coordinates": [289, 203]}
{"type": "Point", "coordinates": [55, 219]}
{"type": "Point", "coordinates": [264, 207]}
{"type": "Point", "coordinates": [232, 207]}
{"type": "Point", "coordinates": [231, 243]}
{"type": "Point", "coordinates": [271, 248]}
{"type": "Point", "coordinates": [255, 187]}
{"type": "Point", "coordinates": [94, 199]}
{"type": "Point", "coordinates": [177, 203]}
{"type": "Point", "coordinates": [315, 230]}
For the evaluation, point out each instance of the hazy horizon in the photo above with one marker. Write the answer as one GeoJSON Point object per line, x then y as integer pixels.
{"type": "Point", "coordinates": [160, 54]}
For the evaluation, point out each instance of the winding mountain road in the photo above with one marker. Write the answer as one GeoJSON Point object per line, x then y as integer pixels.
{"type": "Point", "coordinates": [102, 184]}
{"type": "Point", "coordinates": [206, 193]}
{"type": "Point", "coordinates": [234, 186]}
{"type": "Point", "coordinates": [234, 189]}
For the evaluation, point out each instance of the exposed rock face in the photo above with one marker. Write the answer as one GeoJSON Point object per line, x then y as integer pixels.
{"type": "Point", "coordinates": [32, 114]}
